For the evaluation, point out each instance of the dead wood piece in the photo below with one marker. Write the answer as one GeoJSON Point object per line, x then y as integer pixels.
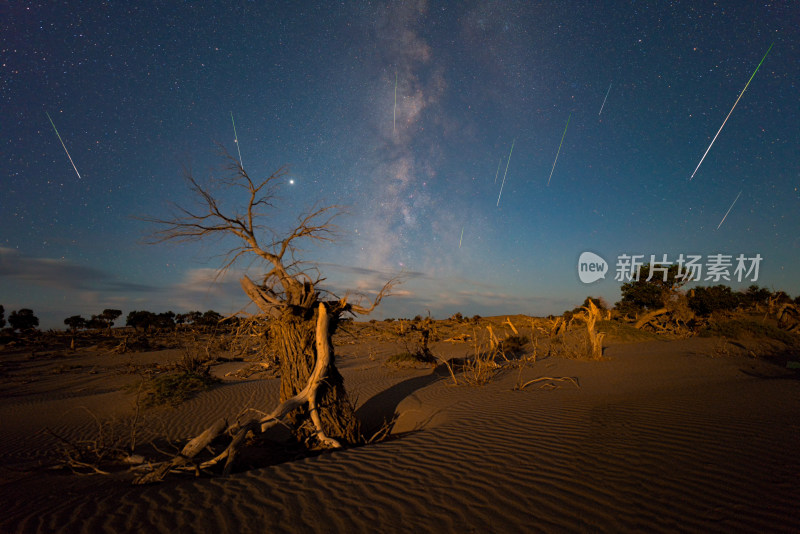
{"type": "Point", "coordinates": [189, 451]}
{"type": "Point", "coordinates": [509, 323]}
{"type": "Point", "coordinates": [323, 353]}
{"type": "Point", "coordinates": [493, 341]}
{"type": "Point", "coordinates": [550, 379]}
{"type": "Point", "coordinates": [558, 327]}
{"type": "Point", "coordinates": [264, 302]}
{"type": "Point", "coordinates": [646, 318]}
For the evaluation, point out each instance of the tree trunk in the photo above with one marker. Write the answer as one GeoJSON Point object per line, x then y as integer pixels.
{"type": "Point", "coordinates": [647, 317]}
{"type": "Point", "coordinates": [294, 335]}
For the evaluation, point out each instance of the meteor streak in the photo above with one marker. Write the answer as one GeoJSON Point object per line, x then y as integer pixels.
{"type": "Point", "coordinates": [498, 169]}
{"type": "Point", "coordinates": [394, 123]}
{"type": "Point", "coordinates": [731, 111]}
{"type": "Point", "coordinates": [236, 140]}
{"type": "Point", "coordinates": [729, 209]}
{"type": "Point", "coordinates": [559, 148]}
{"type": "Point", "coordinates": [462, 237]}
{"type": "Point", "coordinates": [604, 100]}
{"type": "Point", "coordinates": [65, 146]}
{"type": "Point", "coordinates": [505, 173]}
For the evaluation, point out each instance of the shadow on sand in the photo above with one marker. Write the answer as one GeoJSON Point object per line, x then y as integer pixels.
{"type": "Point", "coordinates": [382, 407]}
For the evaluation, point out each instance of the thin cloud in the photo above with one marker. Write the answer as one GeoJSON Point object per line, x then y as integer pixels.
{"type": "Point", "coordinates": [62, 274]}
{"type": "Point", "coordinates": [351, 269]}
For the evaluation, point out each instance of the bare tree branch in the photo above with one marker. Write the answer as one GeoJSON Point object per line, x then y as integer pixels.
{"type": "Point", "coordinates": [385, 291]}
{"type": "Point", "coordinates": [210, 219]}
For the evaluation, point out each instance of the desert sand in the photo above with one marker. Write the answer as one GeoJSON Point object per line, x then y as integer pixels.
{"type": "Point", "coordinates": [659, 436]}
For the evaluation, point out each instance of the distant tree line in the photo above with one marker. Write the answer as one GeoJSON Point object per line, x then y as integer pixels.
{"type": "Point", "coordinates": [145, 320]}
{"type": "Point", "coordinates": [104, 320]}
{"type": "Point", "coordinates": [639, 296]}
{"type": "Point", "coordinates": [24, 320]}
{"type": "Point", "coordinates": [644, 295]}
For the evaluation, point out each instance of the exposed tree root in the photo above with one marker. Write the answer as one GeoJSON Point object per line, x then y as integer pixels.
{"type": "Point", "coordinates": [239, 430]}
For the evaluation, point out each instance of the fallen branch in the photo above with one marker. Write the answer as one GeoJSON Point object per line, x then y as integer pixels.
{"type": "Point", "coordinates": [509, 323]}
{"type": "Point", "coordinates": [550, 379]}
{"type": "Point", "coordinates": [646, 318]}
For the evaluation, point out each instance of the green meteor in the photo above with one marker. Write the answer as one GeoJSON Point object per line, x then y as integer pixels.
{"type": "Point", "coordinates": [731, 111]}
{"type": "Point", "coordinates": [559, 148]}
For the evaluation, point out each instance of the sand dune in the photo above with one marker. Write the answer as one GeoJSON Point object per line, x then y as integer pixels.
{"type": "Point", "coordinates": [660, 437]}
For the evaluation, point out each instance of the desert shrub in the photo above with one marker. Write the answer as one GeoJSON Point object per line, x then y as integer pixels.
{"type": "Point", "coordinates": [477, 370]}
{"type": "Point", "coordinates": [174, 388]}
{"type": "Point", "coordinates": [755, 296]}
{"type": "Point", "coordinates": [706, 300]}
{"type": "Point", "coordinates": [194, 360]}
{"type": "Point", "coordinates": [644, 294]}
{"type": "Point", "coordinates": [679, 309]}
{"type": "Point", "coordinates": [411, 358]}
{"type": "Point", "coordinates": [480, 369]}
{"type": "Point", "coordinates": [742, 328]}
{"type": "Point", "coordinates": [512, 345]}
{"type": "Point", "coordinates": [620, 332]}
{"type": "Point", "coordinates": [573, 344]}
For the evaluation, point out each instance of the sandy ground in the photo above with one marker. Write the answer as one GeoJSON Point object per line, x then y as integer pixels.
{"type": "Point", "coordinates": [660, 436]}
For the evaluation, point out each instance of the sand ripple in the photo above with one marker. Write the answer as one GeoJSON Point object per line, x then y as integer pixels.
{"type": "Point", "coordinates": [718, 454]}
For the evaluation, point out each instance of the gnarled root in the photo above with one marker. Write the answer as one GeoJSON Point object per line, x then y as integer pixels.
{"type": "Point", "coordinates": [239, 430]}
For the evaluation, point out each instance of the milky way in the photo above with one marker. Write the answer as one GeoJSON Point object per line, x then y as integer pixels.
{"type": "Point", "coordinates": [398, 112]}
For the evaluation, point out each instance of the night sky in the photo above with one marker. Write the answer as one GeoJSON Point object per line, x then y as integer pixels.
{"type": "Point", "coordinates": [138, 90]}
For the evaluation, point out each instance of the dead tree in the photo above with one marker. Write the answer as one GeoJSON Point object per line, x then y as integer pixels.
{"type": "Point", "coordinates": [589, 315]}
{"type": "Point", "coordinates": [286, 294]}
